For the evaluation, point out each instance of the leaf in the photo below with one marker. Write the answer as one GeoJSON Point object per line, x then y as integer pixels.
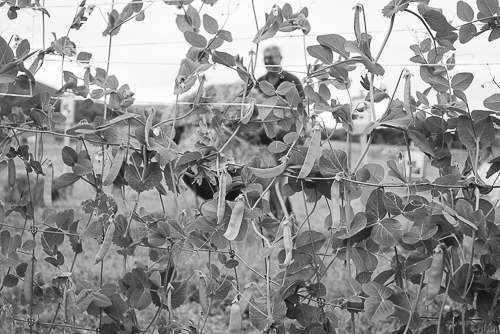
{"type": "Point", "coordinates": [183, 24]}
{"type": "Point", "coordinates": [267, 88]}
{"type": "Point", "coordinates": [65, 180]}
{"type": "Point", "coordinates": [420, 141]}
{"type": "Point", "coordinates": [84, 57]}
{"type": "Point", "coordinates": [485, 132]}
{"type": "Point", "coordinates": [377, 307]}
{"type": "Point", "coordinates": [6, 53]}
{"type": "Point", "coordinates": [375, 207]}
{"type": "Point", "coordinates": [195, 39]}
{"type": "Point", "coordinates": [69, 156]}
{"type": "Point", "coordinates": [462, 81]}
{"type": "Point", "coordinates": [436, 124]}
{"type": "Point", "coordinates": [352, 289]}
{"type": "Point", "coordinates": [488, 7]}
{"type": "Point", "coordinates": [321, 52]}
{"type": "Point", "coordinates": [223, 58]}
{"type": "Point", "coordinates": [467, 32]}
{"type": "Point", "coordinates": [140, 299]}
{"type": "Point", "coordinates": [267, 32]}
{"type": "Point", "coordinates": [309, 241]}
{"type": "Point", "coordinates": [358, 223]}
{"type": "Point", "coordinates": [387, 232]}
{"type": "Point", "coordinates": [332, 162]}
{"type": "Point", "coordinates": [394, 7]}
{"type": "Point", "coordinates": [493, 102]}
{"type": "Point", "coordinates": [258, 311]}
{"type": "Point", "coordinates": [83, 167]}
{"type": "Point", "coordinates": [465, 11]}
{"type": "Point", "coordinates": [437, 21]}
{"type": "Point", "coordinates": [335, 43]}
{"type": "Point", "coordinates": [152, 177]}
{"type": "Point", "coordinates": [210, 24]}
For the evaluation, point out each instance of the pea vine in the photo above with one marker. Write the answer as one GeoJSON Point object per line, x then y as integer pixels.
{"type": "Point", "coordinates": [405, 243]}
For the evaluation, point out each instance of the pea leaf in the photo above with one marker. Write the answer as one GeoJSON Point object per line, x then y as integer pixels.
{"type": "Point", "coordinates": [258, 311]}
{"type": "Point", "coordinates": [377, 306]}
{"type": "Point", "coordinates": [465, 11]}
{"type": "Point", "coordinates": [65, 180]}
{"type": "Point", "coordinates": [493, 102]}
{"type": "Point", "coordinates": [437, 21]}
{"type": "Point", "coordinates": [387, 232]}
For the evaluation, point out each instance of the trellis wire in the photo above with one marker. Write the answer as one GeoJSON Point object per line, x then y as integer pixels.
{"type": "Point", "coordinates": [288, 65]}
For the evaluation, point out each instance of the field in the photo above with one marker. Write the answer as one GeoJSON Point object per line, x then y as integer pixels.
{"type": "Point", "coordinates": [249, 250]}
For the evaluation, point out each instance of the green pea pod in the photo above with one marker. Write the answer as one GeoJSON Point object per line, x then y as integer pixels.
{"type": "Point", "coordinates": [407, 94]}
{"type": "Point", "coordinates": [287, 240]}
{"type": "Point", "coordinates": [203, 293]}
{"type": "Point", "coordinates": [235, 318]}
{"type": "Point", "coordinates": [2, 214]}
{"type": "Point", "coordinates": [312, 153]}
{"type": "Point", "coordinates": [12, 173]}
{"type": "Point", "coordinates": [246, 297]}
{"type": "Point", "coordinates": [108, 238]}
{"type": "Point", "coordinates": [47, 186]}
{"type": "Point", "coordinates": [236, 218]}
{"type": "Point", "coordinates": [28, 280]}
{"type": "Point", "coordinates": [269, 173]}
{"type": "Point", "coordinates": [435, 277]}
{"type": "Point", "coordinates": [119, 200]}
{"type": "Point", "coordinates": [335, 198]}
{"type": "Point", "coordinates": [39, 146]}
{"type": "Point", "coordinates": [115, 167]}
{"type": "Point", "coordinates": [221, 203]}
{"type": "Point", "coordinates": [149, 124]}
{"type": "Point", "coordinates": [248, 112]}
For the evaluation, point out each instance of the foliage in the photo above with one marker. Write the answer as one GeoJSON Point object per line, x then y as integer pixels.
{"type": "Point", "coordinates": [431, 254]}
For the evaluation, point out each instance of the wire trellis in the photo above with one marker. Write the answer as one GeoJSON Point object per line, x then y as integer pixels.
{"type": "Point", "coordinates": [35, 227]}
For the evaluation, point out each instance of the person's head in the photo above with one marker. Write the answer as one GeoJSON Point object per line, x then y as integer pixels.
{"type": "Point", "coordinates": [272, 56]}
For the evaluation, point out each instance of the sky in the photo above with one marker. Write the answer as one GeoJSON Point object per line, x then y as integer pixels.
{"type": "Point", "coordinates": [146, 54]}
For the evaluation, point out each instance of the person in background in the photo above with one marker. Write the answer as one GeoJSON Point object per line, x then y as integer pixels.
{"type": "Point", "coordinates": [275, 74]}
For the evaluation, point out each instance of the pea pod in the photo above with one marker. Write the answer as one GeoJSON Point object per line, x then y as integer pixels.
{"type": "Point", "coordinates": [12, 173]}
{"type": "Point", "coordinates": [335, 198]}
{"type": "Point", "coordinates": [221, 203]}
{"type": "Point", "coordinates": [269, 173]}
{"type": "Point", "coordinates": [148, 125]}
{"type": "Point", "coordinates": [287, 240]}
{"type": "Point", "coordinates": [248, 112]}
{"type": "Point", "coordinates": [108, 238]}
{"type": "Point", "coordinates": [435, 276]}
{"type": "Point", "coordinates": [115, 167]}
{"type": "Point", "coordinates": [236, 218]}
{"type": "Point", "coordinates": [407, 94]}
{"type": "Point", "coordinates": [28, 280]}
{"type": "Point", "coordinates": [235, 317]}
{"type": "Point", "coordinates": [203, 293]}
{"type": "Point", "coordinates": [312, 153]}
{"type": "Point", "coordinates": [246, 297]}
{"type": "Point", "coordinates": [39, 147]}
{"type": "Point", "coordinates": [47, 187]}
{"type": "Point", "coordinates": [2, 214]}
{"type": "Point", "coordinates": [119, 200]}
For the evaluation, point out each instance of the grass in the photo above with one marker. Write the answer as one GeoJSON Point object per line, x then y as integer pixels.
{"type": "Point", "coordinates": [249, 250]}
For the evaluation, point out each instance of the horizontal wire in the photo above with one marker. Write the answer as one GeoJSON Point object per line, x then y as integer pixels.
{"type": "Point", "coordinates": [247, 38]}
{"type": "Point", "coordinates": [94, 4]}
{"type": "Point", "coordinates": [263, 65]}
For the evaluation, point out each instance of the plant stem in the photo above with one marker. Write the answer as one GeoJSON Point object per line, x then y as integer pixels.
{"type": "Point", "coordinates": [372, 98]}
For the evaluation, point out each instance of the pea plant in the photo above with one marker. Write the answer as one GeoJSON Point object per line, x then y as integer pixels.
{"type": "Point", "coordinates": [404, 243]}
